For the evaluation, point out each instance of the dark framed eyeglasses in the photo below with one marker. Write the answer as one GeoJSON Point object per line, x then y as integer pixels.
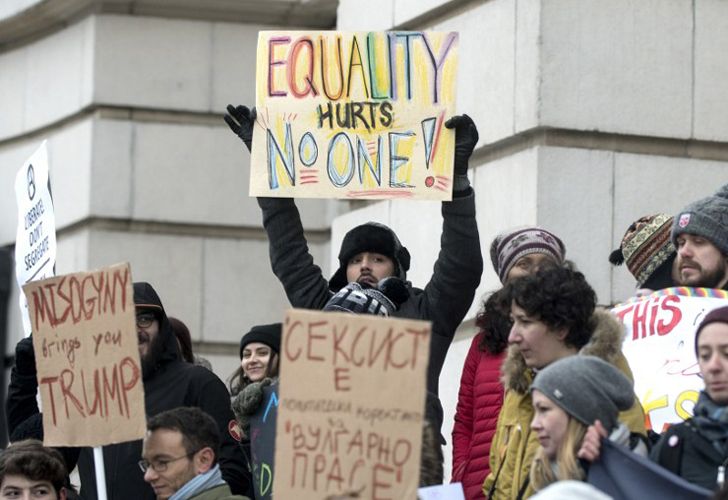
{"type": "Point", "coordinates": [161, 465]}
{"type": "Point", "coordinates": [145, 319]}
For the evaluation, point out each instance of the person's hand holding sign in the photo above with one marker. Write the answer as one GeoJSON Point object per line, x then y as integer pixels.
{"type": "Point", "coordinates": [466, 137]}
{"type": "Point", "coordinates": [241, 120]}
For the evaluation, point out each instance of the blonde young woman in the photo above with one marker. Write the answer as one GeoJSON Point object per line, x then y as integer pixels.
{"type": "Point", "coordinates": [569, 396]}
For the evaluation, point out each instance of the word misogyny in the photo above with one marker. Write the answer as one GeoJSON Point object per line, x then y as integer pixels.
{"type": "Point", "coordinates": [72, 299]}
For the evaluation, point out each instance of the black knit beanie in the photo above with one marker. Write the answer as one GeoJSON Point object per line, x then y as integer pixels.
{"type": "Point", "coordinates": [370, 237]}
{"type": "Point", "coordinates": [707, 218]}
{"type": "Point", "coordinates": [269, 335]}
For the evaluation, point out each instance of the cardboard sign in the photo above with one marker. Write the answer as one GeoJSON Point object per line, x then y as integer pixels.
{"type": "Point", "coordinates": [354, 115]}
{"type": "Point", "coordinates": [87, 356]}
{"type": "Point", "coordinates": [263, 443]}
{"type": "Point", "coordinates": [660, 347]}
{"type": "Point", "coordinates": [35, 241]}
{"type": "Point", "coordinates": [352, 399]}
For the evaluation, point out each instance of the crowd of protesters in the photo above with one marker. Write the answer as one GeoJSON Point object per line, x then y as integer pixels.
{"type": "Point", "coordinates": [545, 388]}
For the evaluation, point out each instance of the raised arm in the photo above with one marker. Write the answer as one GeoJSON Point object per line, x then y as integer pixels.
{"type": "Point", "coordinates": [290, 258]}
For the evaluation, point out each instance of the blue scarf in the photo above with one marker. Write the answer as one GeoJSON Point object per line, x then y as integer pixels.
{"type": "Point", "coordinates": [711, 421]}
{"type": "Point", "coordinates": [199, 483]}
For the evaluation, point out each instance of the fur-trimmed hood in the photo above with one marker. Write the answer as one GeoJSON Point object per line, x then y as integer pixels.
{"type": "Point", "coordinates": [605, 343]}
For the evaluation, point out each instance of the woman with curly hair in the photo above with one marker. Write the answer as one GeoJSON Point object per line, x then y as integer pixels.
{"type": "Point", "coordinates": [514, 253]}
{"type": "Point", "coordinates": [554, 317]}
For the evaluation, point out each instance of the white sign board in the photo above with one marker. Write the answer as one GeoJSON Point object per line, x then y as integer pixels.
{"type": "Point", "coordinates": [660, 346]}
{"type": "Point", "coordinates": [35, 242]}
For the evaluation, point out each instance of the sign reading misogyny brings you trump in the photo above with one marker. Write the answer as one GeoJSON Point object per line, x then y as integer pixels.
{"type": "Point", "coordinates": [87, 357]}
{"type": "Point", "coordinates": [351, 406]}
{"type": "Point", "coordinates": [354, 115]}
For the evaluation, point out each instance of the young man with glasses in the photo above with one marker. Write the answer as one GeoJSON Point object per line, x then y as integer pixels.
{"type": "Point", "coordinates": [180, 457]}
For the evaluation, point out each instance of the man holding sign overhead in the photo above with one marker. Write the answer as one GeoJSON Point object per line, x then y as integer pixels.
{"type": "Point", "coordinates": [372, 251]}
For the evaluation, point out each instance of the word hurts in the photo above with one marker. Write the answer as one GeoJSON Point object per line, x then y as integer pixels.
{"type": "Point", "coordinates": [307, 64]}
{"type": "Point", "coordinates": [103, 392]}
{"type": "Point", "coordinates": [73, 299]}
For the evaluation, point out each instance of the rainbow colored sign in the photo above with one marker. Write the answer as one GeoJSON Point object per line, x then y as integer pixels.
{"type": "Point", "coordinates": [354, 115]}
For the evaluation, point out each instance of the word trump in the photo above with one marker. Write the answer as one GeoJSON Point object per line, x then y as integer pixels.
{"type": "Point", "coordinates": [354, 114]}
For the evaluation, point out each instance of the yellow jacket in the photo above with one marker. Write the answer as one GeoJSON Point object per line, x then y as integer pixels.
{"type": "Point", "coordinates": [514, 445]}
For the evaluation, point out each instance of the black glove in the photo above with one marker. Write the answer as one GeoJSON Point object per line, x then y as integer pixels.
{"type": "Point", "coordinates": [241, 120]}
{"type": "Point", "coordinates": [466, 137]}
{"type": "Point", "coordinates": [25, 357]}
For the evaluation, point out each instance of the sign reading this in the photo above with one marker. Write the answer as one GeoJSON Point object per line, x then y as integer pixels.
{"type": "Point", "coordinates": [87, 357]}
{"type": "Point", "coordinates": [660, 347]}
{"type": "Point", "coordinates": [351, 405]}
{"type": "Point", "coordinates": [354, 115]}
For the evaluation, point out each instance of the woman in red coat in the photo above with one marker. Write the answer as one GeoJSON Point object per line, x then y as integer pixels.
{"type": "Point", "coordinates": [515, 253]}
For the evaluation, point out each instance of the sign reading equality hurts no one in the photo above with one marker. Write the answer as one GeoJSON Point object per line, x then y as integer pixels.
{"type": "Point", "coordinates": [87, 357]}
{"type": "Point", "coordinates": [351, 404]}
{"type": "Point", "coordinates": [354, 115]}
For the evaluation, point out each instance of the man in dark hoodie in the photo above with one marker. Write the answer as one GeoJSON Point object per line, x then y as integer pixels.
{"type": "Point", "coordinates": [169, 382]}
{"type": "Point", "coordinates": [372, 251]}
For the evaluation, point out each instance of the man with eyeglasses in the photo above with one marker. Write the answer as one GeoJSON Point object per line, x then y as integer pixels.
{"type": "Point", "coordinates": [180, 457]}
{"type": "Point", "coordinates": [169, 382]}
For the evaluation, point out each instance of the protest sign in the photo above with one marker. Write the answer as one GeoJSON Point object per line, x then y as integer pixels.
{"type": "Point", "coordinates": [35, 241]}
{"type": "Point", "coordinates": [262, 443]}
{"type": "Point", "coordinates": [660, 347]}
{"type": "Point", "coordinates": [352, 399]}
{"type": "Point", "coordinates": [354, 114]}
{"type": "Point", "coordinates": [87, 356]}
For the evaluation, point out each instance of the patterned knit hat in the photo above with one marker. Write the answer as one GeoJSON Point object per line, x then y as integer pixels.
{"type": "Point", "coordinates": [511, 245]}
{"type": "Point", "coordinates": [645, 247]}
{"type": "Point", "coordinates": [707, 218]}
{"type": "Point", "coordinates": [363, 299]}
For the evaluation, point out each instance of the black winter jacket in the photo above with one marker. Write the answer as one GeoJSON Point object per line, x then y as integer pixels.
{"type": "Point", "coordinates": [445, 299]}
{"type": "Point", "coordinates": [685, 451]}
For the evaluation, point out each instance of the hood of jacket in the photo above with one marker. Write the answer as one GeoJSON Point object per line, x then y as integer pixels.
{"type": "Point", "coordinates": [145, 297]}
{"type": "Point", "coordinates": [605, 343]}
